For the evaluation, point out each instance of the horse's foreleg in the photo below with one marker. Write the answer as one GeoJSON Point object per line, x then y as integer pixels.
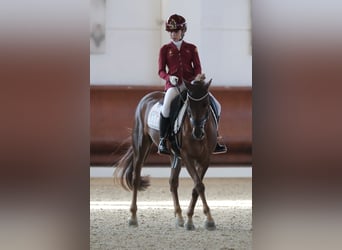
{"type": "Point", "coordinates": [190, 166]}
{"type": "Point", "coordinates": [199, 190]}
{"type": "Point", "coordinates": [209, 223]}
{"type": "Point", "coordinates": [174, 180]}
{"type": "Point", "coordinates": [189, 224]}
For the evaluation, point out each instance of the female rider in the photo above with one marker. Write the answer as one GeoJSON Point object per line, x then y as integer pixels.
{"type": "Point", "coordinates": [178, 60]}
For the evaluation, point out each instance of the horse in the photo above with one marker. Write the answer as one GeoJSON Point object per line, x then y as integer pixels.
{"type": "Point", "coordinates": [196, 141]}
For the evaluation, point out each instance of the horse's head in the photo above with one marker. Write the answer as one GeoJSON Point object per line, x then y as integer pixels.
{"type": "Point", "coordinates": [198, 107]}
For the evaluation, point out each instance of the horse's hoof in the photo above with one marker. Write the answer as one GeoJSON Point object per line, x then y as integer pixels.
{"type": "Point", "coordinates": [189, 226]}
{"type": "Point", "coordinates": [209, 225]}
{"type": "Point", "coordinates": [179, 222]}
{"type": "Point", "coordinates": [132, 223]}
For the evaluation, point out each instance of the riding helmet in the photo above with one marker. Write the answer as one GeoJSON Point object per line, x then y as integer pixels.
{"type": "Point", "coordinates": [175, 23]}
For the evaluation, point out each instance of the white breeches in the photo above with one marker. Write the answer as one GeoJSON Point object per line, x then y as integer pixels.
{"type": "Point", "coordinates": [170, 94]}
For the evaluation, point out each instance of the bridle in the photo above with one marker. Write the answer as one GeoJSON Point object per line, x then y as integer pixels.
{"type": "Point", "coordinates": [198, 124]}
{"type": "Point", "coordinates": [197, 99]}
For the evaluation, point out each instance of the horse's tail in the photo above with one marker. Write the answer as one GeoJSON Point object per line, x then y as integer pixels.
{"type": "Point", "coordinates": [124, 173]}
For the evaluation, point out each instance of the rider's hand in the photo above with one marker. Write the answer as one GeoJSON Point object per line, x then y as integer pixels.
{"type": "Point", "coordinates": [173, 80]}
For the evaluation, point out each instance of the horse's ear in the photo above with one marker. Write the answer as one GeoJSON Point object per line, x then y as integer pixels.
{"type": "Point", "coordinates": [208, 83]}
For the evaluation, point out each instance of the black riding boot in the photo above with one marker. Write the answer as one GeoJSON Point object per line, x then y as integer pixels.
{"type": "Point", "coordinates": [219, 149]}
{"type": "Point", "coordinates": [164, 129]}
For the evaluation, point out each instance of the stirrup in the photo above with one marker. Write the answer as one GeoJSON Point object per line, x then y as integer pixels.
{"type": "Point", "coordinates": [162, 148]}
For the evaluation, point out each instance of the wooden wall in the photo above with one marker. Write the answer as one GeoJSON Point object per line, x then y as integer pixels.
{"type": "Point", "coordinates": [112, 113]}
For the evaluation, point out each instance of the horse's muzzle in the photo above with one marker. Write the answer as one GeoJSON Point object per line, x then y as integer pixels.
{"type": "Point", "coordinates": [198, 133]}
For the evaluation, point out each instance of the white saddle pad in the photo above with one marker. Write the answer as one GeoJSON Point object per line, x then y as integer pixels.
{"type": "Point", "coordinates": [154, 116]}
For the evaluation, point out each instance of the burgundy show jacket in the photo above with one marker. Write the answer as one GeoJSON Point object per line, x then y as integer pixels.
{"type": "Point", "coordinates": [183, 63]}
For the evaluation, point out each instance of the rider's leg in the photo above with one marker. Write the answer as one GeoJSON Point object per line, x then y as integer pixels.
{"type": "Point", "coordinates": [164, 125]}
{"type": "Point", "coordinates": [219, 148]}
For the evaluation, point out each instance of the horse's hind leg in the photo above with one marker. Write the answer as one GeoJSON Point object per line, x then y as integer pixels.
{"type": "Point", "coordinates": [174, 180]}
{"type": "Point", "coordinates": [133, 221]}
{"type": "Point", "coordinates": [140, 154]}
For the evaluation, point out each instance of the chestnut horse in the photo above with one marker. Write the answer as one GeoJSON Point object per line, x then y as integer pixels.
{"type": "Point", "coordinates": [196, 140]}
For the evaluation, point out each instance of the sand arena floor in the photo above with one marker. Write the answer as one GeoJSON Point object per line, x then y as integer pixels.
{"type": "Point", "coordinates": [230, 201]}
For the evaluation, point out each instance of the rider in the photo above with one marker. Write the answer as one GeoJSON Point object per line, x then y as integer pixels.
{"type": "Point", "coordinates": [182, 61]}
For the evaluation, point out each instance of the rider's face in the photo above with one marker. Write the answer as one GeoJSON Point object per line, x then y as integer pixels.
{"type": "Point", "coordinates": [176, 35]}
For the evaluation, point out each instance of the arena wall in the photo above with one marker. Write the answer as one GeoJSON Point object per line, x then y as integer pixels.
{"type": "Point", "coordinates": [112, 113]}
